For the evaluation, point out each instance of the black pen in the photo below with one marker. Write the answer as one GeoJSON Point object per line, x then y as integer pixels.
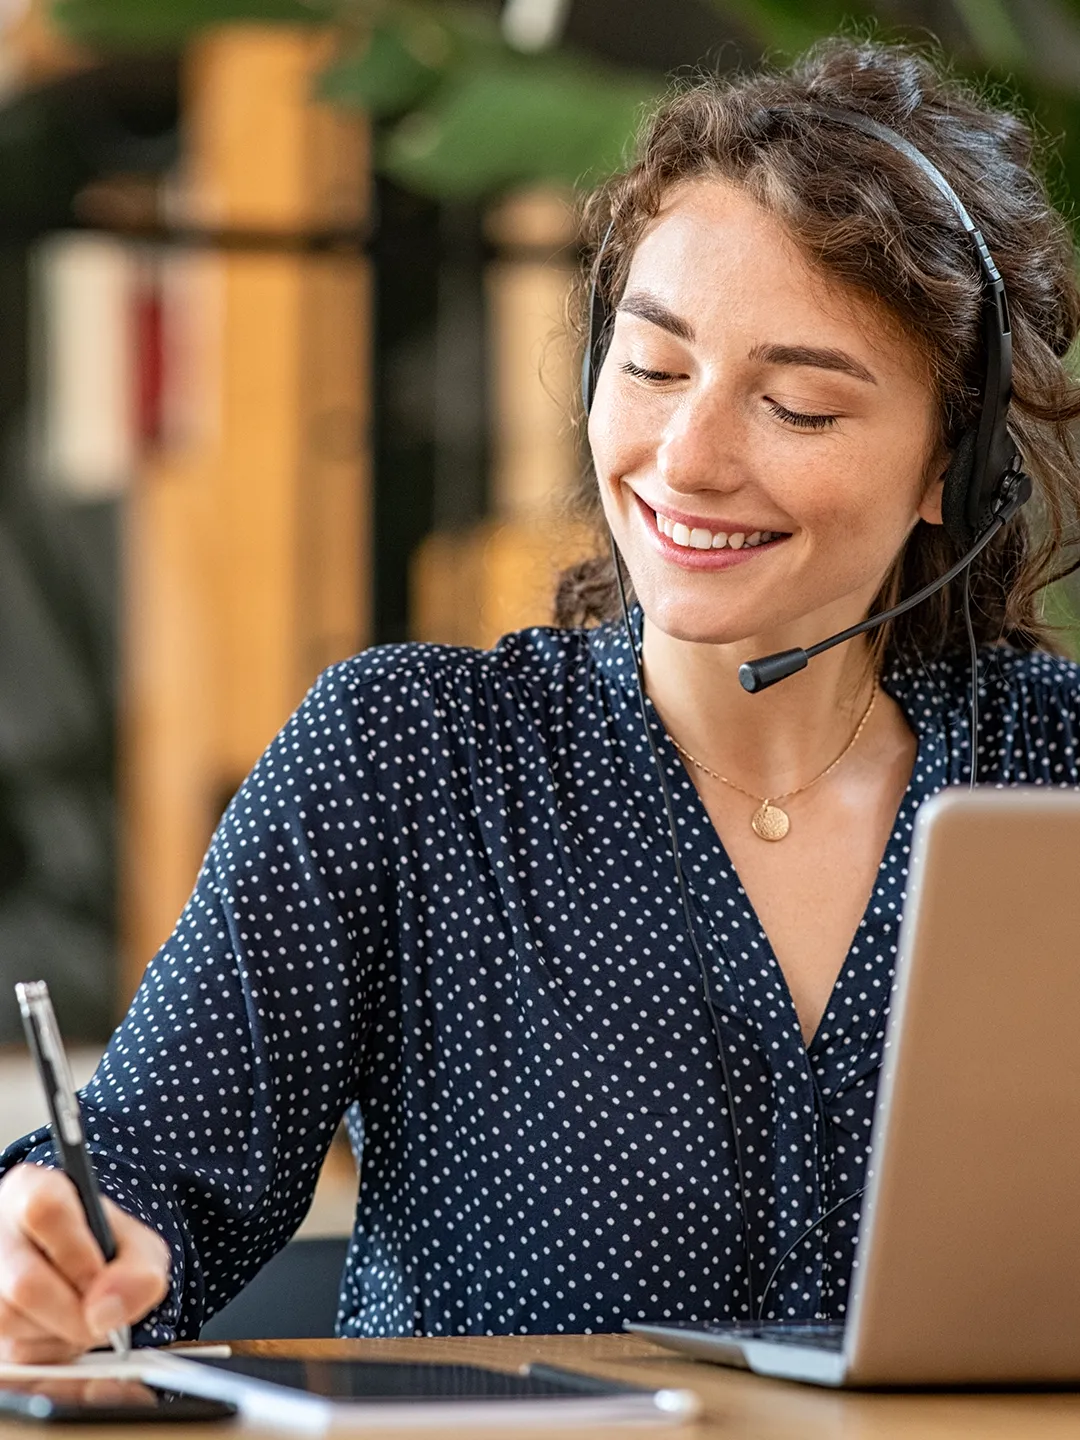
{"type": "Point", "coordinates": [65, 1121]}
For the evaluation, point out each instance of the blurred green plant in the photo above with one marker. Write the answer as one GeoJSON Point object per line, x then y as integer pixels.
{"type": "Point", "coordinates": [464, 115]}
{"type": "Point", "coordinates": [1060, 610]}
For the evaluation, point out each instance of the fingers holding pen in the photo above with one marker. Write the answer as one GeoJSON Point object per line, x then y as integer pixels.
{"type": "Point", "coordinates": [56, 1230]}
{"type": "Point", "coordinates": [57, 1295]}
{"type": "Point", "coordinates": [132, 1284]}
{"type": "Point", "coordinates": [52, 1218]}
{"type": "Point", "coordinates": [39, 1299]}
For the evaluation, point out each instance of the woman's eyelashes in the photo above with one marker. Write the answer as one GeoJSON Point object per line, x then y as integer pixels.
{"type": "Point", "coordinates": [640, 373]}
{"type": "Point", "coordinates": [798, 418]}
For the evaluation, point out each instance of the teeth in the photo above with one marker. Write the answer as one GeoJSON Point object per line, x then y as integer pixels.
{"type": "Point", "coordinates": [699, 538]}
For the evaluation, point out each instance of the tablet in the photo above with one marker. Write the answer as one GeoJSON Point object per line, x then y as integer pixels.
{"type": "Point", "coordinates": [422, 1392]}
{"type": "Point", "coordinates": [390, 1381]}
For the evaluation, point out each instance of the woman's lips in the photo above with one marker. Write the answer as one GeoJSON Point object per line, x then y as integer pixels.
{"type": "Point", "coordinates": [695, 557]}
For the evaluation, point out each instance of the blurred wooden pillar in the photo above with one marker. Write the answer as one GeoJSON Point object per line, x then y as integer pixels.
{"type": "Point", "coordinates": [248, 533]}
{"type": "Point", "coordinates": [471, 587]}
{"type": "Point", "coordinates": [535, 458]}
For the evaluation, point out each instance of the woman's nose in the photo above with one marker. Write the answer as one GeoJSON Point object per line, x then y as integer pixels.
{"type": "Point", "coordinates": [702, 445]}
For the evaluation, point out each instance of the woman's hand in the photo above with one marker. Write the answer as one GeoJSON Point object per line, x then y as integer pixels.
{"type": "Point", "coordinates": [57, 1295]}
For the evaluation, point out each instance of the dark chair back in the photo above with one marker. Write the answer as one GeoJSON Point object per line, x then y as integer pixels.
{"type": "Point", "coordinates": [293, 1297]}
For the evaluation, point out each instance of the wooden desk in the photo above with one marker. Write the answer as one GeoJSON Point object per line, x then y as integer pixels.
{"type": "Point", "coordinates": [737, 1406]}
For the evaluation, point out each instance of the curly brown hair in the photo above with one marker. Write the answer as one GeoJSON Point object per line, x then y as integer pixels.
{"type": "Point", "coordinates": [870, 219]}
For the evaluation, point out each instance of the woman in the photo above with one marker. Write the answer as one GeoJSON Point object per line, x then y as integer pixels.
{"type": "Point", "coordinates": [445, 900]}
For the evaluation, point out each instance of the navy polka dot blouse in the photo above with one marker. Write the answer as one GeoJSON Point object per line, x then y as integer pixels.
{"type": "Point", "coordinates": [443, 905]}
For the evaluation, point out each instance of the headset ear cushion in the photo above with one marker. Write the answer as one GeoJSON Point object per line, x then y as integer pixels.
{"type": "Point", "coordinates": [955, 489]}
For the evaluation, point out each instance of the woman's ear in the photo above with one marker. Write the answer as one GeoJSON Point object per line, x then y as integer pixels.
{"type": "Point", "coordinates": [930, 504]}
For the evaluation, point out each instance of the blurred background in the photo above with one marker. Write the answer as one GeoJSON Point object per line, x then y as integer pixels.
{"type": "Point", "coordinates": [283, 373]}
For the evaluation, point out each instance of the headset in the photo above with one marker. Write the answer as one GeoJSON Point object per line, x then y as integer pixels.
{"type": "Point", "coordinates": [983, 488]}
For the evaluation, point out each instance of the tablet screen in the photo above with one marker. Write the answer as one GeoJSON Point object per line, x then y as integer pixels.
{"type": "Point", "coordinates": [390, 1380]}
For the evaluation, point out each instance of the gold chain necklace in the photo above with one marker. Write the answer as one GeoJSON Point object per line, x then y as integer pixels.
{"type": "Point", "coordinates": [769, 821]}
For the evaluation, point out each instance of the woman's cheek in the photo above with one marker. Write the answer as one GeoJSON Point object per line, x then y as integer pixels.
{"type": "Point", "coordinates": [862, 533]}
{"type": "Point", "coordinates": [604, 431]}
{"type": "Point", "coordinates": [621, 443]}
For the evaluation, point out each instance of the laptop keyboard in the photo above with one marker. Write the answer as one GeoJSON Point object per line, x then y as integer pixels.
{"type": "Point", "coordinates": [821, 1334]}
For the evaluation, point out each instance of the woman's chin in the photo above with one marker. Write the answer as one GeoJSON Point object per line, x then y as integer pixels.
{"type": "Point", "coordinates": [700, 624]}
{"type": "Point", "coordinates": [758, 623]}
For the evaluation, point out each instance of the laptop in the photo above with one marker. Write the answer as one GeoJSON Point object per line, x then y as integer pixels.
{"type": "Point", "coordinates": [968, 1266]}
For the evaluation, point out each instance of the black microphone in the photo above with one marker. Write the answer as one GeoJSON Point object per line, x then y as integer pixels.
{"type": "Point", "coordinates": [758, 675]}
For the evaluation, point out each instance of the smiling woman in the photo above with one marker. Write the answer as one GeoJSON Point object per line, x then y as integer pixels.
{"type": "Point", "coordinates": [824, 221]}
{"type": "Point", "coordinates": [592, 947]}
{"type": "Point", "coordinates": [791, 349]}
{"type": "Point", "coordinates": [786, 407]}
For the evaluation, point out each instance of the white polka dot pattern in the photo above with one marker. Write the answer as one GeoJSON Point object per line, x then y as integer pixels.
{"type": "Point", "coordinates": [443, 902]}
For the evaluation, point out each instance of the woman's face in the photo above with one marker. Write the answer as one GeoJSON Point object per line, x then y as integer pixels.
{"type": "Point", "coordinates": [763, 440]}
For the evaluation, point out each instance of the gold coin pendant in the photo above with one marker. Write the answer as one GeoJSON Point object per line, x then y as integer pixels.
{"type": "Point", "coordinates": [770, 822]}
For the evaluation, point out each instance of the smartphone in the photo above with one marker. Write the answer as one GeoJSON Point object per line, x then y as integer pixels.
{"type": "Point", "coordinates": [65, 1401]}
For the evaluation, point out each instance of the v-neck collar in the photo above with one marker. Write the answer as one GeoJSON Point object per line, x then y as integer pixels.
{"type": "Point", "coordinates": [855, 1014]}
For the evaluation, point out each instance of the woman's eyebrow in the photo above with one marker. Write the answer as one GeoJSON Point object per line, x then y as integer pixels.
{"type": "Point", "coordinates": [822, 359]}
{"type": "Point", "coordinates": [647, 307]}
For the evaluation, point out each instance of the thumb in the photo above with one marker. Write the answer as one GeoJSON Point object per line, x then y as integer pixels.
{"type": "Point", "coordinates": [133, 1282]}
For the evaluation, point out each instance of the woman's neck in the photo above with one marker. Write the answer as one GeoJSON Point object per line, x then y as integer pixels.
{"type": "Point", "coordinates": [768, 743]}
